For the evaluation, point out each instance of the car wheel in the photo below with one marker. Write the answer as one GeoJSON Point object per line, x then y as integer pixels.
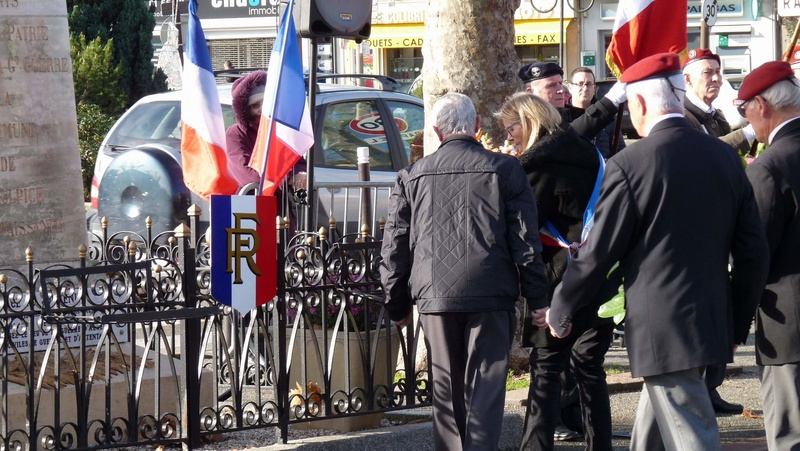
{"type": "Point", "coordinates": [143, 182]}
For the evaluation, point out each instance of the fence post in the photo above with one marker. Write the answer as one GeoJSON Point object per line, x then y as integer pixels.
{"type": "Point", "coordinates": [190, 339]}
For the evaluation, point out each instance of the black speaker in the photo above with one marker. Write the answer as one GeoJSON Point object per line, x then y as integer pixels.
{"type": "Point", "coordinates": [349, 19]}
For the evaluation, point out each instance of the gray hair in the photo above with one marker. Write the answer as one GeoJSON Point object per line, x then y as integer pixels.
{"type": "Point", "coordinates": [454, 113]}
{"type": "Point", "coordinates": [663, 95]}
{"type": "Point", "coordinates": [784, 94]}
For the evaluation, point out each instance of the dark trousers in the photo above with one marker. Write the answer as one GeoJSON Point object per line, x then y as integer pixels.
{"type": "Point", "coordinates": [715, 374]}
{"type": "Point", "coordinates": [469, 365]}
{"type": "Point", "coordinates": [584, 353]}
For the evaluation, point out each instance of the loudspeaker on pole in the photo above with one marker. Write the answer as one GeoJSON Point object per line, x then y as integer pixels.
{"type": "Point", "coordinates": [348, 19]}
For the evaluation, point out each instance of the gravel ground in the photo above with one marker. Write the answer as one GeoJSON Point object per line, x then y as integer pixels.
{"type": "Point", "coordinates": [412, 430]}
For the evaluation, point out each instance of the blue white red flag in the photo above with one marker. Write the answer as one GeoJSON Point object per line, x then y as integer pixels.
{"type": "Point", "coordinates": [244, 258]}
{"type": "Point", "coordinates": [285, 133]}
{"type": "Point", "coordinates": [205, 168]}
{"type": "Point", "coordinates": [646, 27]}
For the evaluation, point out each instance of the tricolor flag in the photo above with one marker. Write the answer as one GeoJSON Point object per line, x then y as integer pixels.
{"type": "Point", "coordinates": [205, 167]}
{"type": "Point", "coordinates": [646, 27]}
{"type": "Point", "coordinates": [244, 258]}
{"type": "Point", "coordinates": [285, 132]}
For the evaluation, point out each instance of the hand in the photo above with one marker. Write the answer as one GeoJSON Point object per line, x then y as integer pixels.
{"type": "Point", "coordinates": [735, 347]}
{"type": "Point", "coordinates": [405, 321]}
{"type": "Point", "coordinates": [299, 181]}
{"type": "Point", "coordinates": [539, 318]}
{"type": "Point", "coordinates": [553, 331]}
{"type": "Point", "coordinates": [617, 94]}
{"type": "Point", "coordinates": [749, 133]}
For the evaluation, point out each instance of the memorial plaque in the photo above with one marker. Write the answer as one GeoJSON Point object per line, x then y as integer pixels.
{"type": "Point", "coordinates": [41, 192]}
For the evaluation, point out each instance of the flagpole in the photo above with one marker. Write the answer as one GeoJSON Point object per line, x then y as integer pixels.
{"type": "Point", "coordinates": [272, 106]}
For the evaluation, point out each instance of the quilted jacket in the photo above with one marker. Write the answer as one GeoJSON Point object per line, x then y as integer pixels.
{"type": "Point", "coordinates": [462, 234]}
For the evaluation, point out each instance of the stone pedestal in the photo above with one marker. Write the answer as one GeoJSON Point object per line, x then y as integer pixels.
{"type": "Point", "coordinates": [41, 190]}
{"type": "Point", "coordinates": [339, 382]}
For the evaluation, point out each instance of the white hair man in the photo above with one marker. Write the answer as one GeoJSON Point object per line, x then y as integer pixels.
{"type": "Point", "coordinates": [673, 209]}
{"type": "Point", "coordinates": [770, 100]}
{"type": "Point", "coordinates": [461, 242]}
{"type": "Point", "coordinates": [701, 72]}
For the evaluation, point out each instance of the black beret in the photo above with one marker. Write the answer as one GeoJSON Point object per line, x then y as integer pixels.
{"type": "Point", "coordinates": [537, 71]}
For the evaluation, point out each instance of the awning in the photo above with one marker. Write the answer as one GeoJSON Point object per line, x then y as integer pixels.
{"type": "Point", "coordinates": [530, 32]}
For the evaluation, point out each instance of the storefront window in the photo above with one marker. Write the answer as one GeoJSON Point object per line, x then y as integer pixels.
{"type": "Point", "coordinates": [530, 53]}
{"type": "Point", "coordinates": [405, 64]}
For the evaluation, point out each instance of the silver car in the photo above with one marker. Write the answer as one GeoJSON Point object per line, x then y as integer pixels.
{"type": "Point", "coordinates": [138, 169]}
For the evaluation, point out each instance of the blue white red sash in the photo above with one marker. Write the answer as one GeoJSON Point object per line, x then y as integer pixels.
{"type": "Point", "coordinates": [550, 236]}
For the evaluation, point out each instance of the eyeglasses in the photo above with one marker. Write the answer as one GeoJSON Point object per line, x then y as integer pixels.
{"type": "Point", "coordinates": [511, 127]}
{"type": "Point", "coordinates": [581, 84]}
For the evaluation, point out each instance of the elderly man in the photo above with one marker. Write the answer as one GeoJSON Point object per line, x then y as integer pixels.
{"type": "Point", "coordinates": [461, 242]}
{"type": "Point", "coordinates": [770, 100]}
{"type": "Point", "coordinates": [701, 72]}
{"type": "Point", "coordinates": [674, 209]}
{"type": "Point", "coordinates": [546, 80]}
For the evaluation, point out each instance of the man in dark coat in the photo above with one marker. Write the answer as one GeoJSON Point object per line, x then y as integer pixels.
{"type": "Point", "coordinates": [582, 87]}
{"type": "Point", "coordinates": [546, 80]}
{"type": "Point", "coordinates": [461, 242]}
{"type": "Point", "coordinates": [701, 71]}
{"type": "Point", "coordinates": [770, 100]}
{"type": "Point", "coordinates": [674, 209]}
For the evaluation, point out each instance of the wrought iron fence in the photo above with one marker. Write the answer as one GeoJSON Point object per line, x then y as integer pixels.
{"type": "Point", "coordinates": [126, 345]}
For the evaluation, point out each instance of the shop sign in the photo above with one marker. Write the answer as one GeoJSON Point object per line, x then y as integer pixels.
{"type": "Point", "coordinates": [414, 12]}
{"type": "Point", "coordinates": [537, 39]}
{"type": "Point", "coordinates": [788, 8]}
{"type": "Point", "coordinates": [725, 8]}
{"type": "Point", "coordinates": [237, 9]}
{"type": "Point", "coordinates": [391, 43]}
{"type": "Point", "coordinates": [735, 40]}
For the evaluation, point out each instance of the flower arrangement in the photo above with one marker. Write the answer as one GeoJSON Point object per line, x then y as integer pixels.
{"type": "Point", "coordinates": [507, 148]}
{"type": "Point", "coordinates": [360, 313]}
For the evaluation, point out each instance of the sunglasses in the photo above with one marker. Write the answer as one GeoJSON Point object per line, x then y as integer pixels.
{"type": "Point", "coordinates": [742, 107]}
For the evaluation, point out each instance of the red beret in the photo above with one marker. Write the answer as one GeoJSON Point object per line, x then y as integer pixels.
{"type": "Point", "coordinates": [655, 66]}
{"type": "Point", "coordinates": [762, 78]}
{"type": "Point", "coordinates": [700, 54]}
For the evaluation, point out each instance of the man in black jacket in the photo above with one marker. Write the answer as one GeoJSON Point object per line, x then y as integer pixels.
{"type": "Point", "coordinates": [461, 242]}
{"type": "Point", "coordinates": [770, 100]}
{"type": "Point", "coordinates": [674, 209]}
{"type": "Point", "coordinates": [546, 80]}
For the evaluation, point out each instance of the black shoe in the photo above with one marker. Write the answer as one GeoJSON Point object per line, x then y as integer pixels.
{"type": "Point", "coordinates": [564, 434]}
{"type": "Point", "coordinates": [722, 406]}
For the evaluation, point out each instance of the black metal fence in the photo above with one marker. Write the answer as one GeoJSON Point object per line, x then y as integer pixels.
{"type": "Point", "coordinates": [126, 346]}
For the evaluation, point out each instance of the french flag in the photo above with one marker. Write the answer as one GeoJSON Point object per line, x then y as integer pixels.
{"type": "Point", "coordinates": [205, 167]}
{"type": "Point", "coordinates": [285, 133]}
{"type": "Point", "coordinates": [646, 27]}
{"type": "Point", "coordinates": [244, 255]}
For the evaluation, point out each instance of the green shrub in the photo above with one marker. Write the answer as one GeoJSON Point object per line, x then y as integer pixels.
{"type": "Point", "coordinates": [93, 124]}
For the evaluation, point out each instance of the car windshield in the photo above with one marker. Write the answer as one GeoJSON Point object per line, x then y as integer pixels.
{"type": "Point", "coordinates": [156, 122]}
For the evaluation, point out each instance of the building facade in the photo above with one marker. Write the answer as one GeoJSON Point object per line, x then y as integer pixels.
{"type": "Point", "coordinates": [746, 34]}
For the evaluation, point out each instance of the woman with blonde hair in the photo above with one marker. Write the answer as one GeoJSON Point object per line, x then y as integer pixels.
{"type": "Point", "coordinates": [562, 168]}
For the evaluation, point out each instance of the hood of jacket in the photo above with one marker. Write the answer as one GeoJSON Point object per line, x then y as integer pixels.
{"type": "Point", "coordinates": [564, 146]}
{"type": "Point", "coordinates": [240, 93]}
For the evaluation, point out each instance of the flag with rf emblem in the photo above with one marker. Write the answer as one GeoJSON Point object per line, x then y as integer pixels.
{"type": "Point", "coordinates": [243, 251]}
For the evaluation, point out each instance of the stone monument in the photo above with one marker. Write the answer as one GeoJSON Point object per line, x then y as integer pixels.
{"type": "Point", "coordinates": [41, 193]}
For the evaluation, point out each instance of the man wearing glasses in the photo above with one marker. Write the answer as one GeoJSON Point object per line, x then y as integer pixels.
{"type": "Point", "coordinates": [583, 88]}
{"type": "Point", "coordinates": [770, 100]}
{"type": "Point", "coordinates": [701, 71]}
{"type": "Point", "coordinates": [546, 80]}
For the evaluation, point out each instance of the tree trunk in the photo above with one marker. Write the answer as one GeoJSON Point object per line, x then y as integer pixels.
{"type": "Point", "coordinates": [469, 48]}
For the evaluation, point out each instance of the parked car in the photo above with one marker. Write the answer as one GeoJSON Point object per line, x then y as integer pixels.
{"type": "Point", "coordinates": [627, 126]}
{"type": "Point", "coordinates": [138, 169]}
